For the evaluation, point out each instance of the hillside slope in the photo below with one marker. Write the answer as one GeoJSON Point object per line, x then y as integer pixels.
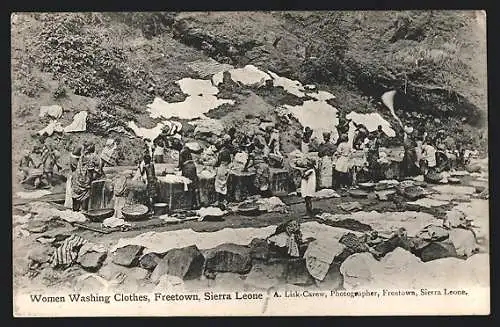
{"type": "Point", "coordinates": [114, 64]}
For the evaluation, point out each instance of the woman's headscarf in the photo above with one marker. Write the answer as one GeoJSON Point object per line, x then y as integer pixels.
{"type": "Point", "coordinates": [110, 143]}
{"type": "Point", "coordinates": [408, 129]}
{"type": "Point", "coordinates": [226, 138]}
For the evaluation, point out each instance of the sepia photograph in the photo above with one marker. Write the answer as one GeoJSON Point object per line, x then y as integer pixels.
{"type": "Point", "coordinates": [266, 163]}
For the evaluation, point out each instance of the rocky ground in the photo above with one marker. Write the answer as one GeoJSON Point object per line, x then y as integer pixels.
{"type": "Point", "coordinates": [445, 222]}
{"type": "Point", "coordinates": [125, 61]}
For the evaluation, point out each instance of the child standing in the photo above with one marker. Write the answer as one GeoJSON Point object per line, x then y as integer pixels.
{"type": "Point", "coordinates": [308, 185]}
{"type": "Point", "coordinates": [221, 178]}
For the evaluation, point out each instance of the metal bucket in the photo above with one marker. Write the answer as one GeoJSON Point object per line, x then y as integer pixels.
{"type": "Point", "coordinates": [160, 209]}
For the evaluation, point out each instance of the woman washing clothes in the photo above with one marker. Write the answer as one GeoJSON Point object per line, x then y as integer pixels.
{"type": "Point", "coordinates": [325, 153]}
{"type": "Point", "coordinates": [342, 157]}
{"type": "Point", "coordinates": [73, 163]}
{"type": "Point", "coordinates": [343, 125]}
{"type": "Point", "coordinates": [221, 178]}
{"type": "Point", "coordinates": [188, 169]}
{"type": "Point", "coordinates": [308, 185]}
{"type": "Point", "coordinates": [159, 151]}
{"type": "Point", "coordinates": [360, 135]}
{"type": "Point", "coordinates": [428, 161]}
{"type": "Point", "coordinates": [306, 139]}
{"type": "Point", "coordinates": [409, 165]}
{"type": "Point", "coordinates": [148, 174]}
{"type": "Point", "coordinates": [258, 160]}
{"type": "Point", "coordinates": [372, 156]}
{"type": "Point", "coordinates": [26, 164]}
{"type": "Point", "coordinates": [88, 169]}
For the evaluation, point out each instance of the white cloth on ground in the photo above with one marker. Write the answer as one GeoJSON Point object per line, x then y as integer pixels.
{"type": "Point", "coordinates": [53, 111]}
{"type": "Point", "coordinates": [51, 128]}
{"type": "Point", "coordinates": [114, 222]}
{"type": "Point", "coordinates": [79, 123]}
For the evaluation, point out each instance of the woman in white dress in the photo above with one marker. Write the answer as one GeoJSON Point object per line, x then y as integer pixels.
{"type": "Point", "coordinates": [325, 154]}
{"type": "Point", "coordinates": [308, 185]}
{"type": "Point", "coordinates": [342, 156]}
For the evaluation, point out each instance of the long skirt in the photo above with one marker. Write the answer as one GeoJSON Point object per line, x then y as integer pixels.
{"type": "Point", "coordinates": [308, 185]}
{"type": "Point", "coordinates": [262, 176]}
{"type": "Point", "coordinates": [326, 172]}
{"type": "Point", "coordinates": [189, 171]}
{"type": "Point", "coordinates": [408, 164]}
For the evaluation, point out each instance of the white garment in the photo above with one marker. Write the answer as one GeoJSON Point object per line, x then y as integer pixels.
{"type": "Point", "coordinates": [53, 111]}
{"type": "Point", "coordinates": [68, 199]}
{"type": "Point", "coordinates": [429, 154]}
{"type": "Point", "coordinates": [305, 147]}
{"type": "Point", "coordinates": [79, 123]}
{"type": "Point", "coordinates": [159, 151]}
{"type": "Point", "coordinates": [240, 160]}
{"type": "Point", "coordinates": [343, 154]}
{"type": "Point", "coordinates": [308, 184]}
{"type": "Point", "coordinates": [51, 128]}
{"type": "Point", "coordinates": [280, 240]}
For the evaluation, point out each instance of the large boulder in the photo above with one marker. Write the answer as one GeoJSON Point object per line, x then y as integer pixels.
{"type": "Point", "coordinates": [259, 249]}
{"type": "Point", "coordinates": [464, 241]}
{"type": "Point", "coordinates": [413, 192]}
{"type": "Point", "coordinates": [92, 261]}
{"type": "Point", "coordinates": [149, 261]}
{"type": "Point", "coordinates": [128, 255]}
{"type": "Point", "coordinates": [438, 250]}
{"type": "Point", "coordinates": [185, 263]}
{"type": "Point", "coordinates": [264, 276]}
{"type": "Point", "coordinates": [391, 244]}
{"type": "Point", "coordinates": [297, 273]}
{"type": "Point", "coordinates": [359, 270]}
{"type": "Point", "coordinates": [229, 258]}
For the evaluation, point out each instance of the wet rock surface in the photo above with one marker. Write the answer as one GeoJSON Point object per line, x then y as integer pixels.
{"type": "Point", "coordinates": [149, 261]}
{"type": "Point", "coordinates": [92, 261]}
{"type": "Point", "coordinates": [185, 263]}
{"type": "Point", "coordinates": [438, 250]}
{"type": "Point", "coordinates": [259, 249]}
{"type": "Point", "coordinates": [127, 256]}
{"type": "Point", "coordinates": [229, 258]}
